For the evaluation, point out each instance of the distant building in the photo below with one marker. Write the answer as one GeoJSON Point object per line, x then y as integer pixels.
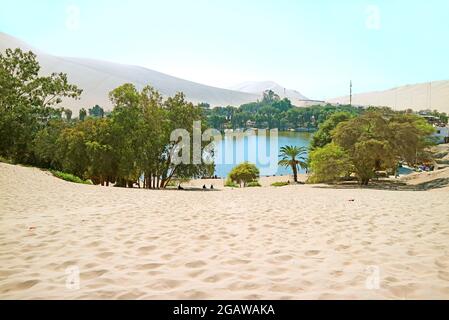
{"type": "Point", "coordinates": [442, 134]}
{"type": "Point", "coordinates": [442, 130]}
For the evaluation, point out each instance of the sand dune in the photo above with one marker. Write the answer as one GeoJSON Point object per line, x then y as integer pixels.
{"type": "Point", "coordinates": [269, 243]}
{"type": "Point", "coordinates": [98, 78]}
{"type": "Point", "coordinates": [259, 87]}
{"type": "Point", "coordinates": [434, 96]}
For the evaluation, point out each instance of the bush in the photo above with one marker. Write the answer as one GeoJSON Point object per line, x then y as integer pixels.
{"type": "Point", "coordinates": [280, 184]}
{"type": "Point", "coordinates": [231, 184]}
{"type": "Point", "coordinates": [254, 184]}
{"type": "Point", "coordinates": [329, 164]}
{"type": "Point", "coordinates": [244, 173]}
{"type": "Point", "coordinates": [69, 177]}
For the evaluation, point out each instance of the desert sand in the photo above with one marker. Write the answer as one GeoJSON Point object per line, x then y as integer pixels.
{"type": "Point", "coordinates": [294, 242]}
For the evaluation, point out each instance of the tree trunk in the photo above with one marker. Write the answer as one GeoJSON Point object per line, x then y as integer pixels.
{"type": "Point", "coordinates": [295, 173]}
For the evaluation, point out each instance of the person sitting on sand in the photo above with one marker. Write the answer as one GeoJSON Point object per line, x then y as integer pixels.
{"type": "Point", "coordinates": [212, 187]}
{"type": "Point", "coordinates": [204, 187]}
{"type": "Point", "coordinates": [180, 188]}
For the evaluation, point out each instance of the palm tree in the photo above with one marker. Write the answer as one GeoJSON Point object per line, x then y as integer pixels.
{"type": "Point", "coordinates": [293, 157]}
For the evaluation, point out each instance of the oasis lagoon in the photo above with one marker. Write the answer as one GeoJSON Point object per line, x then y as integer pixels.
{"type": "Point", "coordinates": [255, 147]}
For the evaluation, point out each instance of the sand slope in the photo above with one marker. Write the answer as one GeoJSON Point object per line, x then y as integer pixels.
{"type": "Point", "coordinates": [422, 96]}
{"type": "Point", "coordinates": [259, 87]}
{"type": "Point", "coordinates": [98, 78]}
{"type": "Point", "coordinates": [269, 243]}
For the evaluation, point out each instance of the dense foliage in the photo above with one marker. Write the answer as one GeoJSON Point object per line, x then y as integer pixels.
{"type": "Point", "coordinates": [244, 174]}
{"type": "Point", "coordinates": [272, 112]}
{"type": "Point", "coordinates": [27, 102]}
{"type": "Point", "coordinates": [133, 141]}
{"type": "Point", "coordinates": [375, 141]}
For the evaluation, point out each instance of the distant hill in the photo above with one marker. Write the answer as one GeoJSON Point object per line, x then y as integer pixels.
{"type": "Point", "coordinates": [98, 78]}
{"type": "Point", "coordinates": [434, 95]}
{"type": "Point", "coordinates": [259, 87]}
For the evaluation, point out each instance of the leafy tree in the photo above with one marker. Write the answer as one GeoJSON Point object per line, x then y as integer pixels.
{"type": "Point", "coordinates": [96, 111]}
{"type": "Point", "coordinates": [380, 138]}
{"type": "Point", "coordinates": [244, 173]}
{"type": "Point", "coordinates": [26, 101]}
{"type": "Point", "coordinates": [293, 157]}
{"type": "Point", "coordinates": [45, 145]}
{"type": "Point", "coordinates": [270, 97]}
{"type": "Point", "coordinates": [82, 114]}
{"type": "Point", "coordinates": [324, 134]}
{"type": "Point", "coordinates": [329, 164]}
{"type": "Point", "coordinates": [68, 114]}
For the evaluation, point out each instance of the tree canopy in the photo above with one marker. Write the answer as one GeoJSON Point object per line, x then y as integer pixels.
{"type": "Point", "coordinates": [374, 141]}
{"type": "Point", "coordinates": [244, 173]}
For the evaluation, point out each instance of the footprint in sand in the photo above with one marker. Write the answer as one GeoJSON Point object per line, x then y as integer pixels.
{"type": "Point", "coordinates": [105, 255]}
{"type": "Point", "coordinates": [146, 249]}
{"type": "Point", "coordinates": [27, 284]}
{"type": "Point", "coordinates": [234, 262]}
{"type": "Point", "coordinates": [312, 253]}
{"type": "Point", "coordinates": [149, 266]}
{"type": "Point", "coordinates": [284, 258]}
{"type": "Point", "coordinates": [443, 275]}
{"type": "Point", "coordinates": [165, 284]}
{"type": "Point", "coordinates": [195, 264]}
{"type": "Point", "coordinates": [217, 277]}
{"type": "Point", "coordinates": [92, 274]}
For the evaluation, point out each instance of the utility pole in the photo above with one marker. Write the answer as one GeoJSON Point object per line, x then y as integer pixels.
{"type": "Point", "coordinates": [350, 93]}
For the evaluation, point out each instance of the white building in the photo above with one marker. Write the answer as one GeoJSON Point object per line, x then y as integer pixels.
{"type": "Point", "coordinates": [442, 134]}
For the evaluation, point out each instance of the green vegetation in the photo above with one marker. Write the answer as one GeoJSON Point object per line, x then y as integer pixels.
{"type": "Point", "coordinates": [243, 174]}
{"type": "Point", "coordinates": [280, 184]}
{"type": "Point", "coordinates": [253, 184]}
{"type": "Point", "coordinates": [295, 158]}
{"type": "Point", "coordinates": [272, 112]}
{"type": "Point", "coordinates": [374, 141]}
{"type": "Point", "coordinates": [231, 184]}
{"type": "Point", "coordinates": [329, 164]}
{"type": "Point", "coordinates": [69, 177]}
{"type": "Point", "coordinates": [27, 103]}
{"type": "Point", "coordinates": [133, 141]}
{"type": "Point", "coordinates": [324, 134]}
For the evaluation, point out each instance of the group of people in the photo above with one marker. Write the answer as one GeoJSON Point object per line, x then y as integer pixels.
{"type": "Point", "coordinates": [204, 187]}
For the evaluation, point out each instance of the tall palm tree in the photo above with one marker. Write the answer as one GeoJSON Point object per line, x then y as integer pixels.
{"type": "Point", "coordinates": [294, 157]}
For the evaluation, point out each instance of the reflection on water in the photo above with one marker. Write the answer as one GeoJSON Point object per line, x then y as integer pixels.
{"type": "Point", "coordinates": [256, 148]}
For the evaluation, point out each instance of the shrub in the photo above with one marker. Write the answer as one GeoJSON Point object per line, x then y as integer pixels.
{"type": "Point", "coordinates": [329, 164]}
{"type": "Point", "coordinates": [244, 173]}
{"type": "Point", "coordinates": [69, 177]}
{"type": "Point", "coordinates": [254, 184]}
{"type": "Point", "coordinates": [231, 184]}
{"type": "Point", "coordinates": [280, 184]}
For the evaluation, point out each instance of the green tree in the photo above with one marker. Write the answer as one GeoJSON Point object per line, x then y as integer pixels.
{"type": "Point", "coordinates": [293, 157]}
{"type": "Point", "coordinates": [244, 173]}
{"type": "Point", "coordinates": [68, 114]}
{"type": "Point", "coordinates": [324, 134]}
{"type": "Point", "coordinates": [96, 111]}
{"type": "Point", "coordinates": [380, 138]}
{"type": "Point", "coordinates": [26, 102]}
{"type": "Point", "coordinates": [328, 164]}
{"type": "Point", "coordinates": [82, 114]}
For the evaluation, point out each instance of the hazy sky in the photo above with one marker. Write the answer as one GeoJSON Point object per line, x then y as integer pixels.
{"type": "Point", "coordinates": [315, 47]}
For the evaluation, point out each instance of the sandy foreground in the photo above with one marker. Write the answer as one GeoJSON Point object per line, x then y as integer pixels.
{"type": "Point", "coordinates": [295, 242]}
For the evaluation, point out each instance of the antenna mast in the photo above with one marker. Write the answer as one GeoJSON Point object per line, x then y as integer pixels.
{"type": "Point", "coordinates": [350, 93]}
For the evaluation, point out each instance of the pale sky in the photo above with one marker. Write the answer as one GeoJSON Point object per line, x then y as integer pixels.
{"type": "Point", "coordinates": [315, 47]}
